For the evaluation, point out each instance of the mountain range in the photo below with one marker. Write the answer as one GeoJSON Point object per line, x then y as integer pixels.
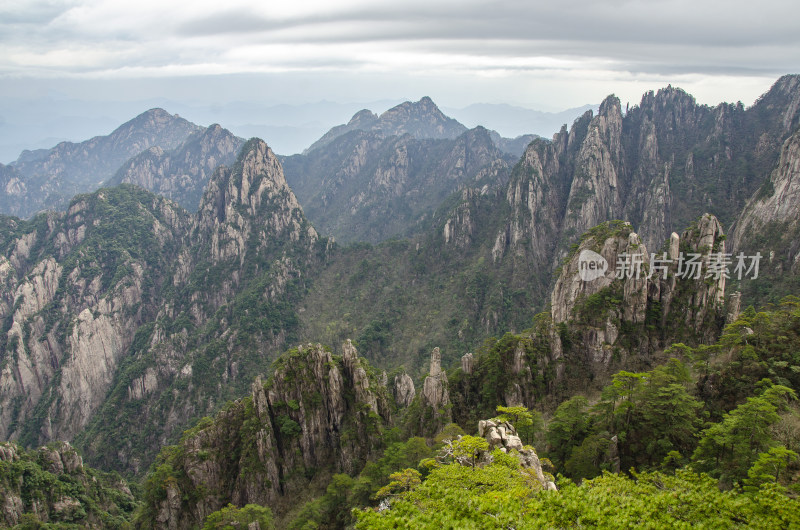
{"type": "Point", "coordinates": [132, 310]}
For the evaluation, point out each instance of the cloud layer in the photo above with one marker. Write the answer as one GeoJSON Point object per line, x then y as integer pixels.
{"type": "Point", "coordinates": [107, 38]}
{"type": "Point", "coordinates": [548, 55]}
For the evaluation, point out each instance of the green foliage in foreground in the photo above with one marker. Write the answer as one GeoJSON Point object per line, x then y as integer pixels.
{"type": "Point", "coordinates": [456, 496]}
{"type": "Point", "coordinates": [52, 497]}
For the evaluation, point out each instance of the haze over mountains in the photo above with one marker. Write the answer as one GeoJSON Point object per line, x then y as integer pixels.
{"type": "Point", "coordinates": [45, 121]}
{"type": "Point", "coordinates": [131, 310]}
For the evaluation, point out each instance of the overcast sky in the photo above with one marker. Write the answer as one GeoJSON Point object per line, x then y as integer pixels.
{"type": "Point", "coordinates": [543, 55]}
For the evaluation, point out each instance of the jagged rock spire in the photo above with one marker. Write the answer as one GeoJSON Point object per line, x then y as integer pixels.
{"type": "Point", "coordinates": [435, 394]}
{"type": "Point", "coordinates": [467, 363]}
{"type": "Point", "coordinates": [404, 390]}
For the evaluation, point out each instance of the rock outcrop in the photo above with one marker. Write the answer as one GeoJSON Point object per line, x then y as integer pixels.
{"type": "Point", "coordinates": [610, 282]}
{"type": "Point", "coordinates": [33, 481]}
{"type": "Point", "coordinates": [501, 435]}
{"type": "Point", "coordinates": [435, 398]}
{"type": "Point", "coordinates": [314, 413]}
{"type": "Point", "coordinates": [404, 391]}
{"type": "Point", "coordinates": [467, 363]}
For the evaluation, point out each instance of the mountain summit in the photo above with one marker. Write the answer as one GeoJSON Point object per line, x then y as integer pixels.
{"type": "Point", "coordinates": [46, 179]}
{"type": "Point", "coordinates": [421, 119]}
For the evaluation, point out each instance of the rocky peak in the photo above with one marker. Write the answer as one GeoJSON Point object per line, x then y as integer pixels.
{"type": "Point", "coordinates": [181, 174]}
{"type": "Point", "coordinates": [610, 107]}
{"type": "Point", "coordinates": [306, 419]}
{"type": "Point", "coordinates": [706, 298]}
{"type": "Point", "coordinates": [607, 284]}
{"type": "Point", "coordinates": [785, 93]}
{"type": "Point", "coordinates": [356, 372]}
{"type": "Point", "coordinates": [324, 399]}
{"type": "Point", "coordinates": [250, 196]}
{"type": "Point", "coordinates": [592, 267]}
{"type": "Point", "coordinates": [594, 195]}
{"type": "Point", "coordinates": [404, 391]}
{"type": "Point", "coordinates": [501, 435]}
{"type": "Point", "coordinates": [777, 202]}
{"type": "Point", "coordinates": [435, 394]}
{"type": "Point", "coordinates": [666, 97]}
{"type": "Point", "coordinates": [362, 119]}
{"type": "Point", "coordinates": [421, 119]}
{"type": "Point", "coordinates": [436, 363]}
{"type": "Point", "coordinates": [52, 177]}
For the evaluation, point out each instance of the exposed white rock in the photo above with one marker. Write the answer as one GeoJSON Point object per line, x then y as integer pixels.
{"type": "Point", "coordinates": [467, 363]}
{"type": "Point", "coordinates": [404, 391]}
{"type": "Point", "coordinates": [781, 207]}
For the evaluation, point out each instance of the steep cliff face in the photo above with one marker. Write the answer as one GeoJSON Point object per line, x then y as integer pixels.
{"type": "Point", "coordinates": [769, 226]}
{"type": "Point", "coordinates": [48, 179]}
{"type": "Point", "coordinates": [778, 200]}
{"type": "Point", "coordinates": [181, 174]}
{"type": "Point", "coordinates": [230, 304]}
{"type": "Point", "coordinates": [76, 289]}
{"type": "Point", "coordinates": [368, 187]}
{"type": "Point", "coordinates": [594, 195]}
{"type": "Point", "coordinates": [661, 165]}
{"type": "Point", "coordinates": [102, 322]}
{"type": "Point", "coordinates": [617, 300]}
{"type": "Point", "coordinates": [316, 414]}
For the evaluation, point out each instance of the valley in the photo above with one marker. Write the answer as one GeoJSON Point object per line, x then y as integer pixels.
{"type": "Point", "coordinates": [211, 323]}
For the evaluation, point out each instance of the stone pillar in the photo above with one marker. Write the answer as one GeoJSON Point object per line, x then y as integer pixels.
{"type": "Point", "coordinates": [467, 363]}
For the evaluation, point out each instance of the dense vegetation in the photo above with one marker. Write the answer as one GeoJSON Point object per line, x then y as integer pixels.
{"type": "Point", "coordinates": [652, 449]}
{"type": "Point", "coordinates": [455, 496]}
{"type": "Point", "coordinates": [400, 299]}
{"type": "Point", "coordinates": [50, 485]}
{"type": "Point", "coordinates": [693, 433]}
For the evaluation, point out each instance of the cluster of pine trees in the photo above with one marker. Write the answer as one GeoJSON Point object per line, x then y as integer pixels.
{"type": "Point", "coordinates": [709, 438]}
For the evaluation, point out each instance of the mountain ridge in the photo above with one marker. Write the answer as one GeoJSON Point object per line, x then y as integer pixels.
{"type": "Point", "coordinates": [421, 119]}
{"type": "Point", "coordinates": [185, 320]}
{"type": "Point", "coordinates": [48, 178]}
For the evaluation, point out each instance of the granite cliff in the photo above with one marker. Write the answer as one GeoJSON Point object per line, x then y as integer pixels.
{"type": "Point", "coordinates": [100, 324]}
{"type": "Point", "coordinates": [315, 415]}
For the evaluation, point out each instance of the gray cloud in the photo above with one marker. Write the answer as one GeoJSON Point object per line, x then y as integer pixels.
{"type": "Point", "coordinates": [666, 37]}
{"type": "Point", "coordinates": [512, 40]}
{"type": "Point", "coordinates": [35, 12]}
{"type": "Point", "coordinates": [732, 23]}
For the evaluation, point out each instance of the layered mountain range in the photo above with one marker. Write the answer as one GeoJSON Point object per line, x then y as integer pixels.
{"type": "Point", "coordinates": [47, 179]}
{"type": "Point", "coordinates": [130, 314]}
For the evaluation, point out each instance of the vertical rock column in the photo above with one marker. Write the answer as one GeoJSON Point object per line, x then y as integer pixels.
{"type": "Point", "coordinates": [435, 398]}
